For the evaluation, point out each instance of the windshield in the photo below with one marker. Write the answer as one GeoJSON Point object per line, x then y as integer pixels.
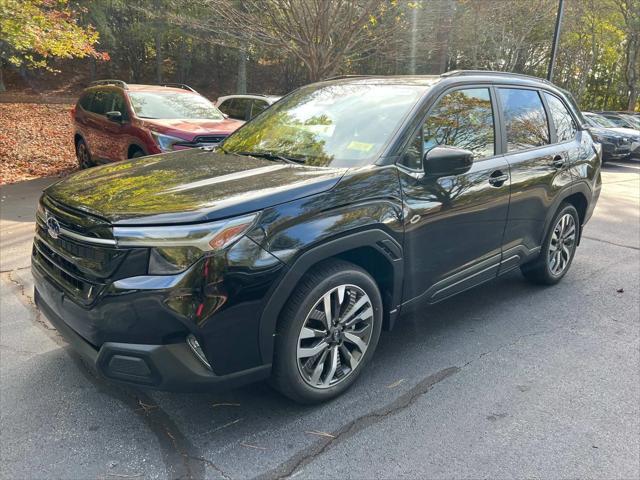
{"type": "Point", "coordinates": [172, 105]}
{"type": "Point", "coordinates": [599, 121]}
{"type": "Point", "coordinates": [632, 121]}
{"type": "Point", "coordinates": [342, 125]}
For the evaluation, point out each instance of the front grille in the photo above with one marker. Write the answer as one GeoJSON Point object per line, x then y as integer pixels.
{"type": "Point", "coordinates": [65, 274]}
{"type": "Point", "coordinates": [81, 268]}
{"type": "Point", "coordinates": [209, 138]}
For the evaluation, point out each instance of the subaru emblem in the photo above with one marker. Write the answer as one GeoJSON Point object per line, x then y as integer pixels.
{"type": "Point", "coordinates": [53, 227]}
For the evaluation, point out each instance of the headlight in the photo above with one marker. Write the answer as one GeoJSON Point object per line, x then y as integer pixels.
{"type": "Point", "coordinates": [165, 142]}
{"type": "Point", "coordinates": [175, 248]}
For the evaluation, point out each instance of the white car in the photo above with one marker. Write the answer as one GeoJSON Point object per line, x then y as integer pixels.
{"type": "Point", "coordinates": [245, 107]}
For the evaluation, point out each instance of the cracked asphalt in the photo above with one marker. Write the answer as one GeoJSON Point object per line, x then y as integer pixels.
{"type": "Point", "coordinates": [504, 381]}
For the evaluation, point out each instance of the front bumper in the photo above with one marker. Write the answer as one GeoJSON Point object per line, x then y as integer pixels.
{"type": "Point", "coordinates": [172, 367]}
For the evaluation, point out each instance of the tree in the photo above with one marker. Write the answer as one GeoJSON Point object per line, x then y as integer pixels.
{"type": "Point", "coordinates": [32, 32]}
{"type": "Point", "coordinates": [630, 10]}
{"type": "Point", "coordinates": [322, 34]}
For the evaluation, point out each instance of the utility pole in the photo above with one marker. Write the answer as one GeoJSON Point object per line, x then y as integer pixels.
{"type": "Point", "coordinates": [556, 39]}
{"type": "Point", "coordinates": [414, 38]}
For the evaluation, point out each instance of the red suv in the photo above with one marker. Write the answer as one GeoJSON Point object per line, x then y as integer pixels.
{"type": "Point", "coordinates": [115, 121]}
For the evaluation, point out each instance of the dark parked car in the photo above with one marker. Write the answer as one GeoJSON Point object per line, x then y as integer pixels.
{"type": "Point", "coordinates": [114, 121]}
{"type": "Point", "coordinates": [617, 142]}
{"type": "Point", "coordinates": [285, 252]}
{"type": "Point", "coordinates": [623, 119]}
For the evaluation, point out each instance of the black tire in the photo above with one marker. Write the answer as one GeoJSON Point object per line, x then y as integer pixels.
{"type": "Point", "coordinates": [137, 153]}
{"type": "Point", "coordinates": [539, 271]}
{"type": "Point", "coordinates": [286, 375]}
{"type": "Point", "coordinates": [83, 155]}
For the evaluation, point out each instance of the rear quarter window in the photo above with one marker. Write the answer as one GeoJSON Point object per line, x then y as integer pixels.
{"type": "Point", "coordinates": [563, 121]}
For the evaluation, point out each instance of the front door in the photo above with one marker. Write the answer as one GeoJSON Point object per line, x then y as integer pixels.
{"type": "Point", "coordinates": [454, 225]}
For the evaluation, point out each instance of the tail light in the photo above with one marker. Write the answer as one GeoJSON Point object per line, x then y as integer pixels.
{"type": "Point", "coordinates": [72, 112]}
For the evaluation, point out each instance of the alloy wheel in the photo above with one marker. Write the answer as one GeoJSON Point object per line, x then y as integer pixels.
{"type": "Point", "coordinates": [335, 336]}
{"type": "Point", "coordinates": [562, 245]}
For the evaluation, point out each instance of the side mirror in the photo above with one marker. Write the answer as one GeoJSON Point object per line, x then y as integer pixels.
{"type": "Point", "coordinates": [446, 161]}
{"type": "Point", "coordinates": [114, 116]}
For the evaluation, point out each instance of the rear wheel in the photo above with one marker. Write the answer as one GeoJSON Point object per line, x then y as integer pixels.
{"type": "Point", "coordinates": [558, 248]}
{"type": "Point", "coordinates": [327, 332]}
{"type": "Point", "coordinates": [83, 155]}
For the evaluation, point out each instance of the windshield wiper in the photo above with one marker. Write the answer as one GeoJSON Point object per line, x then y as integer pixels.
{"type": "Point", "coordinates": [271, 156]}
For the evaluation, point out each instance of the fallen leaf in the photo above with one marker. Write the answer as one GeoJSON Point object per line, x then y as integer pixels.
{"type": "Point", "coordinates": [395, 384]}
{"type": "Point", "coordinates": [248, 445]}
{"type": "Point", "coordinates": [320, 434]}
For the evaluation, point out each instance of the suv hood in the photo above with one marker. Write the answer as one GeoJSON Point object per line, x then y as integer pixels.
{"type": "Point", "coordinates": [189, 186]}
{"type": "Point", "coordinates": [188, 129]}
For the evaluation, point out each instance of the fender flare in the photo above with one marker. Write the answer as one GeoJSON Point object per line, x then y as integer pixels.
{"type": "Point", "coordinates": [281, 290]}
{"type": "Point", "coordinates": [580, 187]}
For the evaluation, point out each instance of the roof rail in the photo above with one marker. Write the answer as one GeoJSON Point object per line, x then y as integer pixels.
{"type": "Point", "coordinates": [339, 77]}
{"type": "Point", "coordinates": [119, 83]}
{"type": "Point", "coordinates": [460, 73]}
{"type": "Point", "coordinates": [178, 85]}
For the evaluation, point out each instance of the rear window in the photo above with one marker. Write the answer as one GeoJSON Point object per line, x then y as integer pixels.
{"type": "Point", "coordinates": [171, 105]}
{"type": "Point", "coordinates": [525, 119]}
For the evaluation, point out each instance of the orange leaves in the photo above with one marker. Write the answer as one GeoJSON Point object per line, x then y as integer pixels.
{"type": "Point", "coordinates": [36, 140]}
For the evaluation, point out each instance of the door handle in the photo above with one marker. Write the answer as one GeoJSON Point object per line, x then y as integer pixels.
{"type": "Point", "coordinates": [497, 178]}
{"type": "Point", "coordinates": [558, 161]}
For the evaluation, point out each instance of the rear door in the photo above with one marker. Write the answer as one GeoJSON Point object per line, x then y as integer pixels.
{"type": "Point", "coordinates": [454, 225]}
{"type": "Point", "coordinates": [539, 166]}
{"type": "Point", "coordinates": [114, 137]}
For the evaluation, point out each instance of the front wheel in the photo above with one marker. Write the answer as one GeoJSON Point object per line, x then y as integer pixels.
{"type": "Point", "coordinates": [327, 332]}
{"type": "Point", "coordinates": [558, 248]}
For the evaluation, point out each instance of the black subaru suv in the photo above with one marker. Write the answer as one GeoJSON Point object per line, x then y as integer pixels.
{"type": "Point", "coordinates": [285, 252]}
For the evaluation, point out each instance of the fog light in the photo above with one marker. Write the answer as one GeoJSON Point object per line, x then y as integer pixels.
{"type": "Point", "coordinates": [197, 350]}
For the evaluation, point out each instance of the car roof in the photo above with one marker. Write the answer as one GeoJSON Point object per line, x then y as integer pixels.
{"type": "Point", "coordinates": [257, 96]}
{"type": "Point", "coordinates": [454, 76]}
{"type": "Point", "coordinates": [138, 87]}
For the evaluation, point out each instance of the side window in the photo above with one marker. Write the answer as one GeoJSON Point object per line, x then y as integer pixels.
{"type": "Point", "coordinates": [243, 106]}
{"type": "Point", "coordinates": [565, 126]}
{"type": "Point", "coordinates": [102, 102]}
{"type": "Point", "coordinates": [85, 101]}
{"type": "Point", "coordinates": [257, 107]}
{"type": "Point", "coordinates": [225, 107]}
{"type": "Point", "coordinates": [119, 105]}
{"type": "Point", "coordinates": [525, 119]}
{"type": "Point", "coordinates": [463, 119]}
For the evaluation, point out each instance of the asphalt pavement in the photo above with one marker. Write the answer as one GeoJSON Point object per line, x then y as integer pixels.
{"type": "Point", "coordinates": [505, 381]}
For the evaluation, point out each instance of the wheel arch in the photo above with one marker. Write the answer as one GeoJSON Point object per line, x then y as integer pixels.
{"type": "Point", "coordinates": [133, 148]}
{"type": "Point", "coordinates": [578, 197]}
{"type": "Point", "coordinates": [375, 251]}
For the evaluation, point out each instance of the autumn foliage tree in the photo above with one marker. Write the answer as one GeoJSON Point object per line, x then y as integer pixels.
{"type": "Point", "coordinates": [33, 32]}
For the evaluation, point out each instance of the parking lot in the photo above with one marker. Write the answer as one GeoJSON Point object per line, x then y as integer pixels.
{"type": "Point", "coordinates": [507, 380]}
